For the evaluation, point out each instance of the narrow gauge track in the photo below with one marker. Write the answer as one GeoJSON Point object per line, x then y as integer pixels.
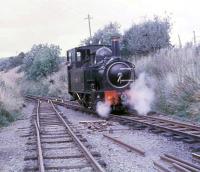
{"type": "Point", "coordinates": [187, 132]}
{"type": "Point", "coordinates": [190, 133]}
{"type": "Point", "coordinates": [59, 146]}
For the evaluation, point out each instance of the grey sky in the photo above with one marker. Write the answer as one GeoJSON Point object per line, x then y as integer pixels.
{"type": "Point", "coordinates": [27, 22]}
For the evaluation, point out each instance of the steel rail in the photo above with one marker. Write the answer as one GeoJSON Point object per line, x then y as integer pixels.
{"type": "Point", "coordinates": [37, 126]}
{"type": "Point", "coordinates": [88, 155]}
{"type": "Point", "coordinates": [182, 161]}
{"type": "Point", "coordinates": [37, 114]}
{"type": "Point", "coordinates": [141, 152]}
{"type": "Point", "coordinates": [195, 127]}
{"type": "Point", "coordinates": [162, 124]}
{"type": "Point", "coordinates": [161, 166]}
{"type": "Point", "coordinates": [183, 164]}
{"type": "Point", "coordinates": [180, 168]}
{"type": "Point", "coordinates": [174, 130]}
{"type": "Point", "coordinates": [196, 155]}
{"type": "Point", "coordinates": [40, 156]}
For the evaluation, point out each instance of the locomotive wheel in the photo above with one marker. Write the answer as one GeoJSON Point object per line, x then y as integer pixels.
{"type": "Point", "coordinates": [86, 101]}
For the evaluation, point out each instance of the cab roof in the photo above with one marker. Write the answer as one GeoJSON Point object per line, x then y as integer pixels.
{"type": "Point", "coordinates": [92, 48]}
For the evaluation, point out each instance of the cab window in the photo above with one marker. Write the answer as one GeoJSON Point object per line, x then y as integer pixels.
{"type": "Point", "coordinates": [72, 57]}
{"type": "Point", "coordinates": [69, 57]}
{"type": "Point", "coordinates": [78, 56]}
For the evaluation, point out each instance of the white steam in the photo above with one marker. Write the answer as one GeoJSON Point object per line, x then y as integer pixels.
{"type": "Point", "coordinates": [140, 95]}
{"type": "Point", "coordinates": [103, 109]}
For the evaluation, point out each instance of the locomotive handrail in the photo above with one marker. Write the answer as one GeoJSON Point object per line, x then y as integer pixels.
{"type": "Point", "coordinates": [126, 80]}
{"type": "Point", "coordinates": [125, 68]}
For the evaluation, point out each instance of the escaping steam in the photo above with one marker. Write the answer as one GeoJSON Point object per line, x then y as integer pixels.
{"type": "Point", "coordinates": [140, 95]}
{"type": "Point", "coordinates": [103, 109]}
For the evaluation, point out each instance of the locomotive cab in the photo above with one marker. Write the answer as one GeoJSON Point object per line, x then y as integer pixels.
{"type": "Point", "coordinates": [80, 76]}
{"type": "Point", "coordinates": [85, 54]}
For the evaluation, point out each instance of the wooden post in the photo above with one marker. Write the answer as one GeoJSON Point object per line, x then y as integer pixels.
{"type": "Point", "coordinates": [179, 40]}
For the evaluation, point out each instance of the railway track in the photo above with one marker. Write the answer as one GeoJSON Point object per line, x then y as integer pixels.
{"type": "Point", "coordinates": [179, 130]}
{"type": "Point", "coordinates": [182, 131]}
{"type": "Point", "coordinates": [55, 145]}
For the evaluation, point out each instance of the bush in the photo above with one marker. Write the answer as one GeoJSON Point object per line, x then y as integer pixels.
{"type": "Point", "coordinates": [37, 88]}
{"type": "Point", "coordinates": [5, 116]}
{"type": "Point", "coordinates": [11, 100]}
{"type": "Point", "coordinates": [53, 85]}
{"type": "Point", "coordinates": [146, 37]}
{"type": "Point", "coordinates": [41, 61]}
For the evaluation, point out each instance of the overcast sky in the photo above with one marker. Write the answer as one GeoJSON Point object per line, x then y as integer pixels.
{"type": "Point", "coordinates": [27, 22]}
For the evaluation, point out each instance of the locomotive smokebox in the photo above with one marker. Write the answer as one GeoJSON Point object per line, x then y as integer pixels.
{"type": "Point", "coordinates": [115, 46]}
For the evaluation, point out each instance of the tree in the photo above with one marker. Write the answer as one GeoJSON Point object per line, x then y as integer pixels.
{"type": "Point", "coordinates": [147, 37]}
{"type": "Point", "coordinates": [104, 35]}
{"type": "Point", "coordinates": [41, 61]}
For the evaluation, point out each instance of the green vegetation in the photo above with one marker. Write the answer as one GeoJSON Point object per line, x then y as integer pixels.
{"type": "Point", "coordinates": [11, 100]}
{"type": "Point", "coordinates": [41, 71]}
{"type": "Point", "coordinates": [103, 36]}
{"type": "Point", "coordinates": [140, 39]}
{"type": "Point", "coordinates": [5, 116]}
{"type": "Point", "coordinates": [146, 37]}
{"type": "Point", "coordinates": [53, 85]}
{"type": "Point", "coordinates": [41, 61]}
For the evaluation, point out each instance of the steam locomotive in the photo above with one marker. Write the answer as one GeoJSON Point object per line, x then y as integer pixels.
{"type": "Point", "coordinates": [97, 73]}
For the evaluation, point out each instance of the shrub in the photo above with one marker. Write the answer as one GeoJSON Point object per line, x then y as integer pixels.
{"type": "Point", "coordinates": [104, 35]}
{"type": "Point", "coordinates": [149, 36]}
{"type": "Point", "coordinates": [11, 100]}
{"type": "Point", "coordinates": [53, 85]}
{"type": "Point", "coordinates": [59, 83]}
{"type": "Point", "coordinates": [41, 61]}
{"type": "Point", "coordinates": [5, 116]}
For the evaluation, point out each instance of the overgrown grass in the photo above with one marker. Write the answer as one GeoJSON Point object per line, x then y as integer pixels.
{"type": "Point", "coordinates": [53, 85]}
{"type": "Point", "coordinates": [13, 85]}
{"type": "Point", "coordinates": [11, 100]}
{"type": "Point", "coordinates": [176, 77]}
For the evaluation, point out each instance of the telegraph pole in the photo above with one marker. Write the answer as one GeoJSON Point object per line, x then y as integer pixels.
{"type": "Point", "coordinates": [179, 40]}
{"type": "Point", "coordinates": [89, 18]}
{"type": "Point", "coordinates": [194, 37]}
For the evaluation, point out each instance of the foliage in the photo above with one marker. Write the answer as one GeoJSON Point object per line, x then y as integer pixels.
{"type": "Point", "coordinates": [53, 85]}
{"type": "Point", "coordinates": [5, 116]}
{"type": "Point", "coordinates": [104, 35]}
{"type": "Point", "coordinates": [41, 61]}
{"type": "Point", "coordinates": [11, 100]}
{"type": "Point", "coordinates": [11, 62]}
{"type": "Point", "coordinates": [147, 37]}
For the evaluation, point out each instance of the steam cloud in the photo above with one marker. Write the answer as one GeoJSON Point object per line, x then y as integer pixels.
{"type": "Point", "coordinates": [140, 95]}
{"type": "Point", "coordinates": [103, 109]}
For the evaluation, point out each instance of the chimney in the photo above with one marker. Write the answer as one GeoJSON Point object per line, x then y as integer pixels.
{"type": "Point", "coordinates": [115, 45]}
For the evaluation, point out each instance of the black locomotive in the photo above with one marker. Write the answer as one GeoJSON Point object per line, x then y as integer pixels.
{"type": "Point", "coordinates": [97, 73]}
